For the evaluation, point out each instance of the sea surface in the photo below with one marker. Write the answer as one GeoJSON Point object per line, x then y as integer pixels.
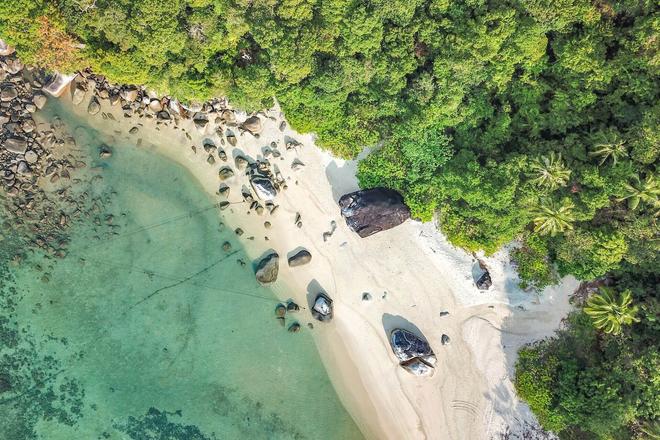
{"type": "Point", "coordinates": [148, 328]}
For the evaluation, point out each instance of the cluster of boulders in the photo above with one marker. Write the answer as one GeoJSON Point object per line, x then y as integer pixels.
{"type": "Point", "coordinates": [38, 164]}
{"type": "Point", "coordinates": [281, 311]}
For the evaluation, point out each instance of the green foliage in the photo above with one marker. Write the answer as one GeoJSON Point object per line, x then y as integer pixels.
{"type": "Point", "coordinates": [534, 120]}
{"type": "Point", "coordinates": [551, 217]}
{"type": "Point", "coordinates": [589, 254]}
{"type": "Point", "coordinates": [475, 111]}
{"type": "Point", "coordinates": [549, 172]}
{"type": "Point", "coordinates": [582, 384]}
{"type": "Point", "coordinates": [533, 263]}
{"type": "Point", "coordinates": [611, 310]}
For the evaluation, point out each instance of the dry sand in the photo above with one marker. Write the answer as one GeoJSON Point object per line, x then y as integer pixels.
{"type": "Point", "coordinates": [411, 273]}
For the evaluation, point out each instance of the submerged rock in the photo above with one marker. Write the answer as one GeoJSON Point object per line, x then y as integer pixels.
{"type": "Point", "coordinates": [414, 353]}
{"type": "Point", "coordinates": [268, 268]}
{"type": "Point", "coordinates": [280, 310]}
{"type": "Point", "coordinates": [373, 210]}
{"type": "Point", "coordinates": [300, 258]}
{"type": "Point", "coordinates": [322, 309]}
{"type": "Point", "coordinates": [94, 107]}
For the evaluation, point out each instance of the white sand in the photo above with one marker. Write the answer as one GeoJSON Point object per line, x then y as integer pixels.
{"type": "Point", "coordinates": [412, 274]}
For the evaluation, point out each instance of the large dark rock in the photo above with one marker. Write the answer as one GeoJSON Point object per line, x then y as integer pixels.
{"type": "Point", "coordinates": [413, 352]}
{"type": "Point", "coordinates": [322, 308]}
{"type": "Point", "coordinates": [268, 268]}
{"type": "Point", "coordinates": [373, 210]}
{"type": "Point", "coordinates": [483, 279]}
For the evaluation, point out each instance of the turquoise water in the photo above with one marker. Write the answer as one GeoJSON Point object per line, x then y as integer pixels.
{"type": "Point", "coordinates": [148, 329]}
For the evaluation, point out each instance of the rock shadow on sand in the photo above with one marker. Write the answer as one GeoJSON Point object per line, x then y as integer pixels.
{"type": "Point", "coordinates": [391, 322]}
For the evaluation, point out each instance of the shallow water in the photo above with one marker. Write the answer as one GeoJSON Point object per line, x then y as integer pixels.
{"type": "Point", "coordinates": [148, 329]}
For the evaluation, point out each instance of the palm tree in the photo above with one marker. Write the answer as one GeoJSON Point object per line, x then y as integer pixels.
{"type": "Point", "coordinates": [609, 149]}
{"type": "Point", "coordinates": [549, 171]}
{"type": "Point", "coordinates": [610, 311]}
{"type": "Point", "coordinates": [551, 217]}
{"type": "Point", "coordinates": [647, 192]}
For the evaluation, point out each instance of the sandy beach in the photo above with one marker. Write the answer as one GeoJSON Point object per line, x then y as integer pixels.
{"type": "Point", "coordinates": [411, 274]}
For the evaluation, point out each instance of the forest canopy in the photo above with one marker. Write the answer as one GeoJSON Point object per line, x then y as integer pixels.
{"type": "Point", "coordinates": [534, 120]}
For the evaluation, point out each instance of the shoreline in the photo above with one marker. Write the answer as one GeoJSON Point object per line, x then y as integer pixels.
{"type": "Point", "coordinates": [421, 273]}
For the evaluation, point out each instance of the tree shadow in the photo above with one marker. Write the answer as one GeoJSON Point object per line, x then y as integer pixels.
{"type": "Point", "coordinates": [342, 178]}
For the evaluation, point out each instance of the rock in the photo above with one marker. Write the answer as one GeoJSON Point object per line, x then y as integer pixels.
{"type": "Point", "coordinates": [267, 225]}
{"type": "Point", "coordinates": [31, 157]}
{"type": "Point", "coordinates": [417, 367]}
{"type": "Point", "coordinates": [223, 190]}
{"type": "Point", "coordinates": [28, 125]}
{"type": "Point", "coordinates": [163, 115]}
{"type": "Point", "coordinates": [282, 125]}
{"type": "Point", "coordinates": [484, 282]}
{"type": "Point", "coordinates": [414, 353]}
{"type": "Point", "coordinates": [238, 231]}
{"type": "Point", "coordinates": [241, 162]}
{"type": "Point", "coordinates": [129, 94]}
{"type": "Point", "coordinates": [263, 187]}
{"type": "Point", "coordinates": [23, 168]}
{"type": "Point", "coordinates": [253, 124]}
{"type": "Point", "coordinates": [294, 328]}
{"type": "Point", "coordinates": [366, 296]}
{"type": "Point", "coordinates": [280, 310]}
{"type": "Point", "coordinates": [445, 339]}
{"type": "Point", "coordinates": [226, 246]}
{"type": "Point", "coordinates": [56, 84]}
{"type": "Point", "coordinates": [292, 307]}
{"type": "Point", "coordinates": [8, 93]}
{"type": "Point", "coordinates": [268, 268]}
{"type": "Point", "coordinates": [155, 106]}
{"type": "Point", "coordinates": [228, 116]}
{"type": "Point", "coordinates": [225, 173]}
{"type": "Point", "coordinates": [300, 258]}
{"type": "Point", "coordinates": [322, 309]}
{"type": "Point", "coordinates": [5, 49]}
{"type": "Point", "coordinates": [222, 155]}
{"type": "Point", "coordinates": [94, 107]}
{"type": "Point", "coordinates": [210, 159]}
{"type": "Point", "coordinates": [482, 279]}
{"type": "Point", "coordinates": [201, 121]}
{"type": "Point", "coordinates": [134, 130]}
{"type": "Point", "coordinates": [105, 152]}
{"type": "Point", "coordinates": [16, 145]}
{"type": "Point", "coordinates": [39, 100]}
{"type": "Point", "coordinates": [13, 66]}
{"type": "Point", "coordinates": [444, 313]}
{"type": "Point", "coordinates": [373, 210]}
{"type": "Point", "coordinates": [231, 138]}
{"type": "Point", "coordinates": [78, 94]}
